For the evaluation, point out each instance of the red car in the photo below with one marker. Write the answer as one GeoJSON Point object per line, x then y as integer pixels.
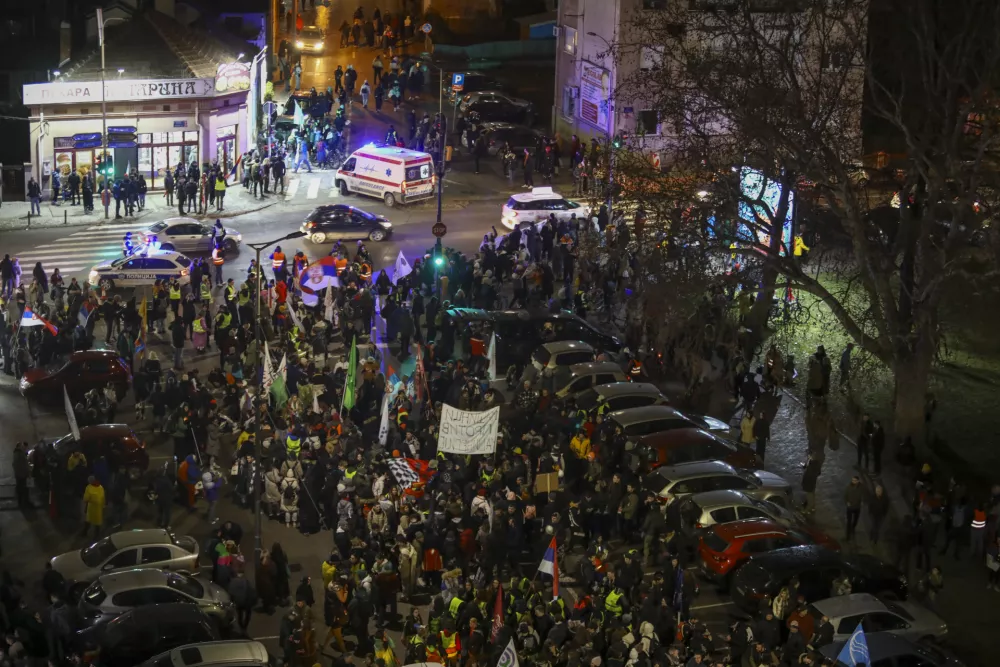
{"type": "Point", "coordinates": [90, 369]}
{"type": "Point", "coordinates": [724, 546]}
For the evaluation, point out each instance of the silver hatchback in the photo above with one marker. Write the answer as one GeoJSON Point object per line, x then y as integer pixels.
{"type": "Point", "coordinates": [679, 481]}
{"type": "Point", "coordinates": [126, 550]}
{"type": "Point", "coordinates": [114, 594]}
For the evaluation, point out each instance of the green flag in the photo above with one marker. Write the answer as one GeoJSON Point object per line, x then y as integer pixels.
{"type": "Point", "coordinates": [279, 392]}
{"type": "Point", "coordinates": [351, 385]}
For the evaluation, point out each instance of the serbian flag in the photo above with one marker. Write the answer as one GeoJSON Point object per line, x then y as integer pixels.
{"type": "Point", "coordinates": [497, 615]}
{"type": "Point", "coordinates": [85, 311]}
{"type": "Point", "coordinates": [316, 277]}
{"type": "Point", "coordinates": [30, 319]}
{"type": "Point", "coordinates": [550, 565]}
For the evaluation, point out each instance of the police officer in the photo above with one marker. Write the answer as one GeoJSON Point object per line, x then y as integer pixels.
{"type": "Point", "coordinates": [175, 297]}
{"type": "Point", "coordinates": [278, 265]}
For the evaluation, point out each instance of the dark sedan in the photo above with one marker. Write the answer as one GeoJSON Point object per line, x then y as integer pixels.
{"type": "Point", "coordinates": [339, 222]}
{"type": "Point", "coordinates": [498, 109]}
{"type": "Point", "coordinates": [85, 370]}
{"type": "Point", "coordinates": [518, 137]}
{"type": "Point", "coordinates": [115, 443]}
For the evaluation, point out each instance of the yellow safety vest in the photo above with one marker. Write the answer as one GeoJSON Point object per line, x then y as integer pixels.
{"type": "Point", "coordinates": [450, 644]}
{"type": "Point", "coordinates": [293, 444]}
{"type": "Point", "coordinates": [227, 319]}
{"type": "Point", "coordinates": [244, 298]}
{"type": "Point", "coordinates": [175, 293]}
{"type": "Point", "coordinates": [198, 327]}
{"type": "Point", "coordinates": [455, 606]}
{"type": "Point", "coordinates": [206, 292]}
{"type": "Point", "coordinates": [230, 292]}
{"type": "Point", "coordinates": [350, 474]}
{"type": "Point", "coordinates": [611, 603]}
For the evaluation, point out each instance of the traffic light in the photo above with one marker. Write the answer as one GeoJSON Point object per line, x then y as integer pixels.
{"type": "Point", "coordinates": [619, 140]}
{"type": "Point", "coordinates": [109, 166]}
{"type": "Point", "coordinates": [439, 261]}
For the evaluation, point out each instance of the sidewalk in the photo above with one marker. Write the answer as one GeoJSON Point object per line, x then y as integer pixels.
{"type": "Point", "coordinates": [15, 214]}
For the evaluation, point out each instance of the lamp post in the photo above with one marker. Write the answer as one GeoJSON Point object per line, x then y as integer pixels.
{"type": "Point", "coordinates": [257, 526]}
{"type": "Point", "coordinates": [101, 22]}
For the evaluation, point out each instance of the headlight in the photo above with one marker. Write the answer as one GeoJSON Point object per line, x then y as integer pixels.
{"type": "Point", "coordinates": [93, 277]}
{"type": "Point", "coordinates": [385, 223]}
{"type": "Point", "coordinates": [25, 384]}
{"type": "Point", "coordinates": [300, 44]}
{"type": "Point", "coordinates": [319, 45]}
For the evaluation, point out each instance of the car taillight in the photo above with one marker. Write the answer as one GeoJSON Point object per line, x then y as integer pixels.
{"type": "Point", "coordinates": [311, 225]}
{"type": "Point", "coordinates": [402, 186]}
{"type": "Point", "coordinates": [184, 272]}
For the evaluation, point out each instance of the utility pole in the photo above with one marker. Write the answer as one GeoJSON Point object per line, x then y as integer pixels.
{"type": "Point", "coordinates": [105, 197]}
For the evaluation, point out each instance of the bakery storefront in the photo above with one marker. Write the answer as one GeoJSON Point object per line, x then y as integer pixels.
{"type": "Point", "coordinates": [152, 125]}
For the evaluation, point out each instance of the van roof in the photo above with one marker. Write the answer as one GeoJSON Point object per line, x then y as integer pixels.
{"type": "Point", "coordinates": [233, 652]}
{"type": "Point", "coordinates": [392, 154]}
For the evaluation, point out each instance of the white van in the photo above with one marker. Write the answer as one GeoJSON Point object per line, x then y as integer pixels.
{"type": "Point", "coordinates": [389, 173]}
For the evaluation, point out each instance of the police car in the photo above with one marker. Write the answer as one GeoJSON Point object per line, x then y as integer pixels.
{"type": "Point", "coordinates": [141, 269]}
{"type": "Point", "coordinates": [535, 206]}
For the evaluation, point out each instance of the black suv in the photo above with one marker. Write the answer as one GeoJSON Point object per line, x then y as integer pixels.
{"type": "Point", "coordinates": [816, 568]}
{"type": "Point", "coordinates": [519, 332]}
{"type": "Point", "coordinates": [345, 223]}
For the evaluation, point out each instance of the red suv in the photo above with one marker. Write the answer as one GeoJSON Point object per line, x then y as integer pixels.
{"type": "Point", "coordinates": [724, 546]}
{"type": "Point", "coordinates": [116, 443]}
{"type": "Point", "coordinates": [86, 370]}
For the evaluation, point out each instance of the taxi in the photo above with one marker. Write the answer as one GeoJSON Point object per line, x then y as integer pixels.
{"type": "Point", "coordinates": [537, 205]}
{"type": "Point", "coordinates": [141, 269]}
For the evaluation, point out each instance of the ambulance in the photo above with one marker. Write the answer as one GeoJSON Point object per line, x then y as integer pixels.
{"type": "Point", "coordinates": [394, 175]}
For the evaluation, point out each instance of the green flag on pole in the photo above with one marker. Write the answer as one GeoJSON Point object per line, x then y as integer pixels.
{"type": "Point", "coordinates": [351, 385]}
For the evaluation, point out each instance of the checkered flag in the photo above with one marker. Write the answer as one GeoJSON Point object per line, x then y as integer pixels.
{"type": "Point", "coordinates": [403, 472]}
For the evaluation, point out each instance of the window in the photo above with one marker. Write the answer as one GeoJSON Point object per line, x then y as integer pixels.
{"type": "Point", "coordinates": [125, 558]}
{"type": "Point", "coordinates": [730, 482]}
{"type": "Point", "coordinates": [570, 358]}
{"type": "Point", "coordinates": [158, 263]}
{"type": "Point", "coordinates": [647, 122]}
{"type": "Point", "coordinates": [133, 598]}
{"type": "Point", "coordinates": [724, 515]}
{"type": "Point", "coordinates": [651, 57]}
{"type": "Point", "coordinates": [155, 554]}
{"type": "Point", "coordinates": [752, 513]}
{"type": "Point", "coordinates": [883, 621]}
{"type": "Point", "coordinates": [164, 596]}
{"type": "Point", "coordinates": [95, 595]}
{"type": "Point", "coordinates": [225, 131]}
{"type": "Point", "coordinates": [569, 101]}
{"type": "Point", "coordinates": [190, 136]}
{"type": "Point", "coordinates": [569, 40]}
{"type": "Point", "coordinates": [97, 366]}
{"type": "Point", "coordinates": [350, 164]}
{"type": "Point", "coordinates": [758, 546]}
{"type": "Point", "coordinates": [848, 624]}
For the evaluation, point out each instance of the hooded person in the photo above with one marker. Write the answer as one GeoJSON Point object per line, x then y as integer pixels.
{"type": "Point", "coordinates": [189, 475]}
{"type": "Point", "coordinates": [290, 498]}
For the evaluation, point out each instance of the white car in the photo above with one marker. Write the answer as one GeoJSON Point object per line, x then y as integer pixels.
{"type": "Point", "coordinates": [142, 269]}
{"type": "Point", "coordinates": [537, 205]}
{"type": "Point", "coordinates": [185, 235]}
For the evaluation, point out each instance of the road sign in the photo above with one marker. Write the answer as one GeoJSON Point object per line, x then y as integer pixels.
{"type": "Point", "coordinates": [426, 28]}
{"type": "Point", "coordinates": [439, 229]}
{"type": "Point", "coordinates": [458, 81]}
{"type": "Point", "coordinates": [121, 129]}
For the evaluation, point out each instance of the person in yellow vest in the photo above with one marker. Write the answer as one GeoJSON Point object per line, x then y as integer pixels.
{"type": "Point", "coordinates": [230, 296]}
{"type": "Point", "coordinates": [218, 259]}
{"type": "Point", "coordinates": [613, 602]}
{"type": "Point", "coordinates": [451, 645]}
{"type": "Point", "coordinates": [175, 298]}
{"type": "Point", "coordinates": [220, 192]}
{"type": "Point", "coordinates": [199, 328]}
{"type": "Point", "coordinates": [206, 290]}
{"type": "Point", "coordinates": [293, 444]}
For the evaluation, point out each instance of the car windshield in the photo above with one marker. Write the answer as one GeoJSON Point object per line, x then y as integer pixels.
{"type": "Point", "coordinates": [187, 585]}
{"type": "Point", "coordinates": [98, 552]}
{"type": "Point", "coordinates": [311, 34]}
{"type": "Point", "coordinates": [715, 542]}
{"type": "Point", "coordinates": [183, 261]}
{"type": "Point", "coordinates": [572, 204]}
{"type": "Point", "coordinates": [542, 356]}
{"type": "Point", "coordinates": [654, 483]}
{"type": "Point", "coordinates": [772, 509]}
{"type": "Point", "coordinates": [587, 401]}
{"type": "Point", "coordinates": [120, 261]}
{"type": "Point", "coordinates": [158, 227]}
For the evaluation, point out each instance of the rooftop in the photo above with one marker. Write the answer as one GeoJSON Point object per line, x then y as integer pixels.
{"type": "Point", "coordinates": [154, 46]}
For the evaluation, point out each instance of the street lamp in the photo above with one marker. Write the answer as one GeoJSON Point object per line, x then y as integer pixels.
{"type": "Point", "coordinates": [101, 22]}
{"type": "Point", "coordinates": [258, 528]}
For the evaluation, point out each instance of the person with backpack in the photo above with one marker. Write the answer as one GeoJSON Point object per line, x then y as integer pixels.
{"type": "Point", "coordinates": [290, 498]}
{"type": "Point", "coordinates": [244, 597]}
{"type": "Point", "coordinates": [818, 380]}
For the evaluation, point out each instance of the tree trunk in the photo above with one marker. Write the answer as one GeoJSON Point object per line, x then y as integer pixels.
{"type": "Point", "coordinates": [912, 378]}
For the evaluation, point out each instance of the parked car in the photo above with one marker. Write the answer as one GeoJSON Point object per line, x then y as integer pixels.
{"type": "Point", "coordinates": [816, 568]}
{"type": "Point", "coordinates": [700, 511]}
{"type": "Point", "coordinates": [683, 479]}
{"type": "Point", "coordinates": [886, 649]}
{"type": "Point", "coordinates": [345, 223]}
{"type": "Point", "coordinates": [562, 353]}
{"type": "Point", "coordinates": [474, 82]}
{"type": "Point", "coordinates": [117, 444]}
{"type": "Point", "coordinates": [725, 546]}
{"type": "Point", "coordinates": [904, 619]}
{"type": "Point", "coordinates": [537, 205]}
{"type": "Point", "coordinates": [619, 396]}
{"type": "Point", "coordinates": [127, 549]}
{"type": "Point", "coordinates": [638, 422]}
{"type": "Point", "coordinates": [518, 137]}
{"type": "Point", "coordinates": [519, 332]}
{"type": "Point", "coordinates": [233, 653]}
{"type": "Point", "coordinates": [683, 445]}
{"type": "Point", "coordinates": [83, 371]}
{"type": "Point", "coordinates": [142, 633]}
{"type": "Point", "coordinates": [473, 97]}
{"type": "Point", "coordinates": [114, 594]}
{"type": "Point", "coordinates": [494, 108]}
{"type": "Point", "coordinates": [574, 379]}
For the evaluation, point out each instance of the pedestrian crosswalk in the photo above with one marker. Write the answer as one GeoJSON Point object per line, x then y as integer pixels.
{"type": "Point", "coordinates": [78, 252]}
{"type": "Point", "coordinates": [319, 185]}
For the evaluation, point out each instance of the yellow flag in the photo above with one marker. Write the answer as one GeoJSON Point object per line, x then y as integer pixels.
{"type": "Point", "coordinates": [140, 344]}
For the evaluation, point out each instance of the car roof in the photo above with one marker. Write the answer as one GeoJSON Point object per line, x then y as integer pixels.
{"type": "Point", "coordinates": [105, 430]}
{"type": "Point", "coordinates": [646, 413]}
{"type": "Point", "coordinates": [86, 355]}
{"type": "Point", "coordinates": [177, 221]}
{"type": "Point", "coordinates": [537, 194]}
{"type": "Point", "coordinates": [809, 555]}
{"type": "Point", "coordinates": [593, 367]}
{"type": "Point", "coordinates": [167, 611]}
{"type": "Point", "coordinates": [694, 469]}
{"type": "Point", "coordinates": [140, 536]}
{"type": "Point", "coordinates": [848, 605]}
{"type": "Point", "coordinates": [733, 530]}
{"type": "Point", "coordinates": [615, 389]}
{"type": "Point", "coordinates": [236, 651]}
{"type": "Point", "coordinates": [556, 347]}
{"type": "Point", "coordinates": [129, 579]}
{"type": "Point", "coordinates": [500, 125]}
{"type": "Point", "coordinates": [679, 437]}
{"type": "Point", "coordinates": [391, 151]}
{"type": "Point", "coordinates": [708, 500]}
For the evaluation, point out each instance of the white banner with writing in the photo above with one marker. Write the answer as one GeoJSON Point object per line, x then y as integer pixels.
{"type": "Point", "coordinates": [463, 432]}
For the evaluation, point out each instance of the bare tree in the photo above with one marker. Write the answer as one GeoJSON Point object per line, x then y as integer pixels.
{"type": "Point", "coordinates": [782, 87]}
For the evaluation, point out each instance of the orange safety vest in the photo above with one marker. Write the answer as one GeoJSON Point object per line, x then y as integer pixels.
{"type": "Point", "coordinates": [277, 260]}
{"type": "Point", "coordinates": [635, 367]}
{"type": "Point", "coordinates": [978, 519]}
{"type": "Point", "coordinates": [217, 257]}
{"type": "Point", "coordinates": [450, 644]}
{"type": "Point", "coordinates": [366, 272]}
{"type": "Point", "coordinates": [301, 262]}
{"type": "Point", "coordinates": [341, 264]}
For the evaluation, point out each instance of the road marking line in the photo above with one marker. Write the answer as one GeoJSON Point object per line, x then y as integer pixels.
{"type": "Point", "coordinates": [713, 606]}
{"type": "Point", "coordinates": [97, 245]}
{"type": "Point", "coordinates": [118, 225]}
{"type": "Point", "coordinates": [293, 187]}
{"type": "Point", "coordinates": [100, 233]}
{"type": "Point", "coordinates": [111, 252]}
{"type": "Point", "coordinates": [313, 191]}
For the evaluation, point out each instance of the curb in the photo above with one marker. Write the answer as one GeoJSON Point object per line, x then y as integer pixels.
{"type": "Point", "coordinates": [111, 222]}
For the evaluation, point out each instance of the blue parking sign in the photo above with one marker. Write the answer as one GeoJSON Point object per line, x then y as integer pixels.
{"type": "Point", "coordinates": [458, 81]}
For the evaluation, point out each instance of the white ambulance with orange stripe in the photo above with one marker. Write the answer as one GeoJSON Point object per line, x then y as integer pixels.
{"type": "Point", "coordinates": [394, 175]}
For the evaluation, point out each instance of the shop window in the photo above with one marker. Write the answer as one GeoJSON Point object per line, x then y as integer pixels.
{"type": "Point", "coordinates": [84, 112]}
{"type": "Point", "coordinates": [569, 101]}
{"type": "Point", "coordinates": [160, 137]}
{"type": "Point", "coordinates": [225, 131]}
{"type": "Point", "coordinates": [190, 136]}
{"type": "Point", "coordinates": [176, 137]}
{"type": "Point", "coordinates": [160, 152]}
{"type": "Point", "coordinates": [145, 138]}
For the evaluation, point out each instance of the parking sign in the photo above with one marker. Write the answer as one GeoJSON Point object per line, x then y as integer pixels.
{"type": "Point", "coordinates": [457, 81]}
